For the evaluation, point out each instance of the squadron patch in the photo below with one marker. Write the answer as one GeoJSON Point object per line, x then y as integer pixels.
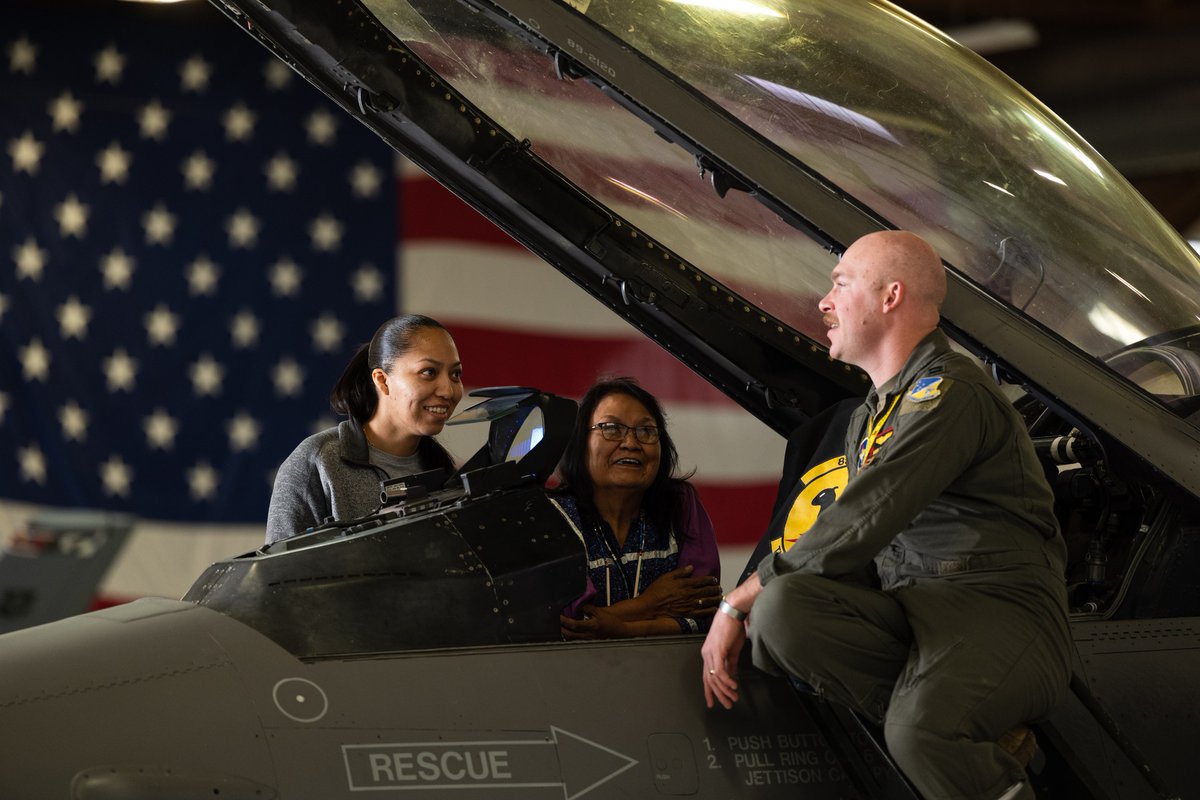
{"type": "Point", "coordinates": [925, 389]}
{"type": "Point", "coordinates": [820, 487]}
{"type": "Point", "coordinates": [925, 394]}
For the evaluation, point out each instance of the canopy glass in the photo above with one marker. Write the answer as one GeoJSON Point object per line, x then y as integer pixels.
{"type": "Point", "coordinates": [889, 112]}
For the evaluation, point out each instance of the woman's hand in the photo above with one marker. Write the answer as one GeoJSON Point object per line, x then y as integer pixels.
{"type": "Point", "coordinates": [603, 623]}
{"type": "Point", "coordinates": [678, 594]}
{"type": "Point", "coordinates": [598, 623]}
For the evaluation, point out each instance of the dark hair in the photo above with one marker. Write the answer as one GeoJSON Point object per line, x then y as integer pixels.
{"type": "Point", "coordinates": [663, 499]}
{"type": "Point", "coordinates": [354, 394]}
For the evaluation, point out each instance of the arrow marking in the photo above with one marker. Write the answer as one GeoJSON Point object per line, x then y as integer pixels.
{"type": "Point", "coordinates": [563, 761]}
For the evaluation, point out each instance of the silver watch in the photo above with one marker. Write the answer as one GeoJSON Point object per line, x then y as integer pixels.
{"type": "Point", "coordinates": [732, 610]}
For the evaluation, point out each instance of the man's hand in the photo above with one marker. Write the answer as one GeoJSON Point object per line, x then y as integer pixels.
{"type": "Point", "coordinates": [723, 646]}
{"type": "Point", "coordinates": [720, 652]}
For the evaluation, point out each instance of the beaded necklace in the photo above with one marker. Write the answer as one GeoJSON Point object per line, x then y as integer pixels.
{"type": "Point", "coordinates": [614, 561]}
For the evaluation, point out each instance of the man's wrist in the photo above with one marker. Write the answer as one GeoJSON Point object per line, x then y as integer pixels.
{"type": "Point", "coordinates": [728, 608]}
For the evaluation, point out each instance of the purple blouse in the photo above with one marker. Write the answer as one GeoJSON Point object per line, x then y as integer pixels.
{"type": "Point", "coordinates": [619, 573]}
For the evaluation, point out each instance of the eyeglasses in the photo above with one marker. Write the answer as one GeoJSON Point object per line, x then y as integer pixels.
{"type": "Point", "coordinates": [615, 432]}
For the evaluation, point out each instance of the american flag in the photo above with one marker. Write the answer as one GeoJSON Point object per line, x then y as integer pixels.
{"type": "Point", "coordinates": [192, 242]}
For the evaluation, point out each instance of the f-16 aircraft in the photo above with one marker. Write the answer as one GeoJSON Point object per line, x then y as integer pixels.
{"type": "Point", "coordinates": [723, 154]}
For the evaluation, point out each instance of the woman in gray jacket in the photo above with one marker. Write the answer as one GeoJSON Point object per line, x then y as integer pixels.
{"type": "Point", "coordinates": [397, 393]}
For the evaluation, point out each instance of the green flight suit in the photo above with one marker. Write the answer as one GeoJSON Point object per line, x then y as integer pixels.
{"type": "Point", "coordinates": [967, 636]}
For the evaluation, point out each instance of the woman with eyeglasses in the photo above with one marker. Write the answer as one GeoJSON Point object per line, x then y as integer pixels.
{"type": "Point", "coordinates": [653, 566]}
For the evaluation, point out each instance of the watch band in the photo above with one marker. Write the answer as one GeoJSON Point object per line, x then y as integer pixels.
{"type": "Point", "coordinates": [733, 611]}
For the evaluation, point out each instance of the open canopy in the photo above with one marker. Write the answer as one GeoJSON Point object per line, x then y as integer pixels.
{"type": "Point", "coordinates": [698, 166]}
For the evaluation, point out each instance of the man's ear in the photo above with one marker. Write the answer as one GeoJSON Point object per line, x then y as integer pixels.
{"type": "Point", "coordinates": [893, 296]}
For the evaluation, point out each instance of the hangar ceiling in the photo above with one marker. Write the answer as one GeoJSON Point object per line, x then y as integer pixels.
{"type": "Point", "coordinates": [1125, 74]}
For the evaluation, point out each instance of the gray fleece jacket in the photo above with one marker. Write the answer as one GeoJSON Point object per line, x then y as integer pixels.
{"type": "Point", "coordinates": [329, 474]}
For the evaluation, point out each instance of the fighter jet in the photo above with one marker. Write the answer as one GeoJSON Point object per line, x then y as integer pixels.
{"type": "Point", "coordinates": [697, 167]}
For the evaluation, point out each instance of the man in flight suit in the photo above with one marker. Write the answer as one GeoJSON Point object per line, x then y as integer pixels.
{"type": "Point", "coordinates": [961, 634]}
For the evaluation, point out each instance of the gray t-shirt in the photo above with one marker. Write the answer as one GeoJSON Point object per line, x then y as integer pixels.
{"type": "Point", "coordinates": [395, 466]}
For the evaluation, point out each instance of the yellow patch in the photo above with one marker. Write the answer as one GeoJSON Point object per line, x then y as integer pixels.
{"type": "Point", "coordinates": [822, 485]}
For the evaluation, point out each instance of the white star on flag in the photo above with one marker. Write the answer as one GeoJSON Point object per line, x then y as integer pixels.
{"type": "Point", "coordinates": [159, 224]}
{"type": "Point", "coordinates": [22, 56]}
{"type": "Point", "coordinates": [327, 333]}
{"type": "Point", "coordinates": [33, 464]}
{"type": "Point", "coordinates": [35, 361]}
{"type": "Point", "coordinates": [285, 278]}
{"type": "Point", "coordinates": [288, 377]}
{"type": "Point", "coordinates": [73, 318]}
{"type": "Point", "coordinates": [74, 422]}
{"type": "Point", "coordinates": [114, 164]}
{"type": "Point", "coordinates": [243, 432]}
{"type": "Point", "coordinates": [198, 171]}
{"type": "Point", "coordinates": [202, 276]}
{"type": "Point", "coordinates": [121, 371]}
{"type": "Point", "coordinates": [161, 326]}
{"type": "Point", "coordinates": [153, 120]}
{"type": "Point", "coordinates": [117, 268]}
{"type": "Point", "coordinates": [109, 63]}
{"type": "Point", "coordinates": [207, 376]}
{"type": "Point", "coordinates": [239, 123]}
{"type": "Point", "coordinates": [161, 429]}
{"type": "Point", "coordinates": [326, 233]}
{"type": "Point", "coordinates": [367, 282]}
{"type": "Point", "coordinates": [242, 228]}
{"type": "Point", "coordinates": [202, 481]}
{"type": "Point", "coordinates": [281, 173]}
{"type": "Point", "coordinates": [116, 476]}
{"type": "Point", "coordinates": [65, 111]}
{"type": "Point", "coordinates": [322, 128]}
{"type": "Point", "coordinates": [30, 259]}
{"type": "Point", "coordinates": [26, 153]}
{"type": "Point", "coordinates": [243, 329]}
{"type": "Point", "coordinates": [365, 180]}
{"type": "Point", "coordinates": [72, 217]}
{"type": "Point", "coordinates": [194, 74]}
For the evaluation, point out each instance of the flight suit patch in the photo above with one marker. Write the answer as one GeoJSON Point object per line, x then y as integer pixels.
{"type": "Point", "coordinates": [925, 394]}
{"type": "Point", "coordinates": [924, 389]}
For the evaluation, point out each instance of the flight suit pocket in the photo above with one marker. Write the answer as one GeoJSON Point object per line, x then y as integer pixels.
{"type": "Point", "coordinates": [926, 662]}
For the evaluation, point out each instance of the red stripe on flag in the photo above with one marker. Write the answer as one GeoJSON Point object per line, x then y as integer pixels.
{"type": "Point", "coordinates": [739, 513]}
{"type": "Point", "coordinates": [427, 211]}
{"type": "Point", "coordinates": [568, 365]}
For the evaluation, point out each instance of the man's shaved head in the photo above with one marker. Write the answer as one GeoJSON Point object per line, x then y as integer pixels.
{"type": "Point", "coordinates": [907, 258]}
{"type": "Point", "coordinates": [887, 293]}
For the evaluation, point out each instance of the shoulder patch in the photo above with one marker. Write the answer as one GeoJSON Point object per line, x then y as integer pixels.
{"type": "Point", "coordinates": [924, 389]}
{"type": "Point", "coordinates": [925, 394]}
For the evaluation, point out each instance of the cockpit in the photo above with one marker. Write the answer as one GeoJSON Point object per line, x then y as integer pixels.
{"type": "Point", "coordinates": [477, 557]}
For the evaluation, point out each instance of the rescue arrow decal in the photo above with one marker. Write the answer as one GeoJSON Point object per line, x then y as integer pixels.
{"type": "Point", "coordinates": [565, 762]}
